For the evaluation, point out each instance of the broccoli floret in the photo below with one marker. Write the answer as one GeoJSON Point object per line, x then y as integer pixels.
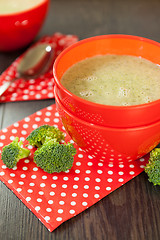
{"type": "Point", "coordinates": [38, 136]}
{"type": "Point", "coordinates": [13, 152]}
{"type": "Point", "coordinates": [55, 157]}
{"type": "Point", "coordinates": [153, 167]}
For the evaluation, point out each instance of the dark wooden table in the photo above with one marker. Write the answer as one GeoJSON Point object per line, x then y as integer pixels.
{"type": "Point", "coordinates": [130, 212]}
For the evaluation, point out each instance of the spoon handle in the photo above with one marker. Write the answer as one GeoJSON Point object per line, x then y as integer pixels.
{"type": "Point", "coordinates": [5, 86]}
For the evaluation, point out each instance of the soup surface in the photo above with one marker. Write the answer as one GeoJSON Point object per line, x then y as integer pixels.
{"type": "Point", "coordinates": [12, 6]}
{"type": "Point", "coordinates": [119, 80]}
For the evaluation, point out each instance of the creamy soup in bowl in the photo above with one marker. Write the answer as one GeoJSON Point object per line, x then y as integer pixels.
{"type": "Point", "coordinates": [119, 80]}
{"type": "Point", "coordinates": [13, 6]}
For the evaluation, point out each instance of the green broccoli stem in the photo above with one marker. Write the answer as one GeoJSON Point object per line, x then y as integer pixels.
{"type": "Point", "coordinates": [23, 153]}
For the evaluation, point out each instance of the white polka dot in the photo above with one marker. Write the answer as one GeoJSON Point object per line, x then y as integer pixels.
{"type": "Point", "coordinates": [50, 201]}
{"type": "Point", "coordinates": [76, 179]}
{"type": "Point", "coordinates": [25, 125]}
{"type": "Point", "coordinates": [33, 176]}
{"type": "Point", "coordinates": [24, 132]}
{"type": "Point", "coordinates": [89, 163]}
{"type": "Point", "coordinates": [96, 195]}
{"type": "Point", "coordinates": [26, 119]}
{"type": "Point", "coordinates": [50, 95]}
{"type": "Point", "coordinates": [16, 124]}
{"type": "Point", "coordinates": [37, 119]}
{"type": "Point", "coordinates": [108, 188]}
{"type": "Point", "coordinates": [97, 179]}
{"type": "Point", "coordinates": [60, 210]}
{"type": "Point", "coordinates": [14, 130]}
{"type": "Point", "coordinates": [97, 187]}
{"type": "Point", "coordinates": [48, 209]}
{"type": "Point", "coordinates": [55, 178]}
{"type": "Point", "coordinates": [74, 194]}
{"type": "Point", "coordinates": [53, 185]}
{"type": "Point", "coordinates": [100, 171]}
{"type": "Point", "coordinates": [88, 171]}
{"type": "Point", "coordinates": [65, 178]}
{"type": "Point", "coordinates": [110, 172]}
{"type": "Point", "coordinates": [12, 175]}
{"type": "Point", "coordinates": [37, 208]}
{"type": "Point", "coordinates": [26, 161]}
{"type": "Point", "coordinates": [131, 172]}
{"type": "Point", "coordinates": [78, 163]}
{"type": "Point", "coordinates": [28, 199]}
{"type": "Point", "coordinates": [39, 113]}
{"type": "Point", "coordinates": [110, 180]}
{"type": "Point", "coordinates": [63, 194]}
{"type": "Point", "coordinates": [120, 180]}
{"type": "Point", "coordinates": [110, 165]}
{"type": "Point", "coordinates": [131, 166]}
{"type": "Point", "coordinates": [59, 219]}
{"type": "Point", "coordinates": [77, 171]}
{"type": "Point", "coordinates": [4, 166]}
{"type": "Point", "coordinates": [121, 165]}
{"type": "Point", "coordinates": [142, 159]}
{"type": "Point", "coordinates": [19, 189]}
{"type": "Point", "coordinates": [29, 190]}
{"type": "Point", "coordinates": [84, 203]}
{"type": "Point", "coordinates": [85, 195]}
{"type": "Point", "coordinates": [72, 211]}
{"type": "Point", "coordinates": [39, 200]}
{"type": "Point", "coordinates": [87, 179]}
{"type": "Point", "coordinates": [15, 168]}
{"type": "Point", "coordinates": [73, 203]}
{"type": "Point", "coordinates": [4, 130]}
{"type": "Point", "coordinates": [41, 193]}
{"type": "Point", "coordinates": [44, 177]}
{"type": "Point", "coordinates": [32, 184]}
{"type": "Point", "coordinates": [61, 202]}
{"type": "Point", "coordinates": [75, 186]}
{"type": "Point", "coordinates": [120, 173]}
{"type": "Point", "coordinates": [142, 166]}
{"type": "Point", "coordinates": [42, 185]}
{"type": "Point", "coordinates": [47, 218]}
{"type": "Point", "coordinates": [25, 97]}
{"type": "Point", "coordinates": [52, 193]}
{"type": "Point", "coordinates": [86, 187]}
{"type": "Point", "coordinates": [64, 186]}
{"type": "Point", "coordinates": [34, 126]}
{"type": "Point", "coordinates": [35, 169]}
{"type": "Point", "coordinates": [25, 168]}
{"type": "Point", "coordinates": [10, 181]}
{"type": "Point", "coordinates": [22, 175]}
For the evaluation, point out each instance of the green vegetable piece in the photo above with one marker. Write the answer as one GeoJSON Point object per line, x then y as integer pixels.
{"type": "Point", "coordinates": [153, 167]}
{"type": "Point", "coordinates": [13, 152]}
{"type": "Point", "coordinates": [38, 136]}
{"type": "Point", "coordinates": [54, 157]}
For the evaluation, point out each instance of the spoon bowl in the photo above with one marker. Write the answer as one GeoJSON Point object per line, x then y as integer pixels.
{"type": "Point", "coordinates": [35, 62]}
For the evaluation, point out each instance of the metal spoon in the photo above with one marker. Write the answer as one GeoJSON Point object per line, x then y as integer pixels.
{"type": "Point", "coordinates": [35, 61]}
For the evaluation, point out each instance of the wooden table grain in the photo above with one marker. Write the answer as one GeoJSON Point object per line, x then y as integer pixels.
{"type": "Point", "coordinates": [132, 212]}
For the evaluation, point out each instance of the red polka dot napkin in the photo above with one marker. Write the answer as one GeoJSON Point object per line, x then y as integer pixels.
{"type": "Point", "coordinates": [42, 87]}
{"type": "Point", "coordinates": [55, 198]}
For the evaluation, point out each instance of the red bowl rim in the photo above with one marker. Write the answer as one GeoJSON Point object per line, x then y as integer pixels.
{"type": "Point", "coordinates": [97, 104]}
{"type": "Point", "coordinates": [25, 10]}
{"type": "Point", "coordinates": [99, 126]}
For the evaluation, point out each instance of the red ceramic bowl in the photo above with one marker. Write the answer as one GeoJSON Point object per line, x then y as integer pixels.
{"type": "Point", "coordinates": [105, 115]}
{"type": "Point", "coordinates": [18, 29]}
{"type": "Point", "coordinates": [107, 143]}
